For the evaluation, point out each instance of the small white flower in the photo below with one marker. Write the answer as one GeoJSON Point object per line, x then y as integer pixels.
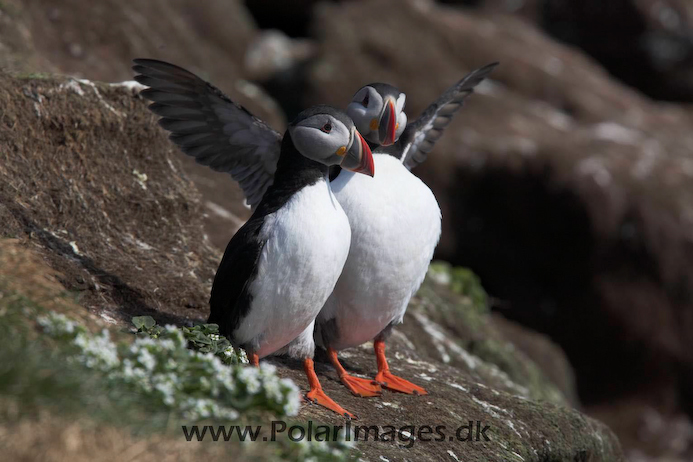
{"type": "Point", "coordinates": [249, 376]}
{"type": "Point", "coordinates": [267, 369]}
{"type": "Point", "coordinates": [146, 359]}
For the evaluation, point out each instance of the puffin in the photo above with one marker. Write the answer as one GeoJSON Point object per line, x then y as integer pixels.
{"type": "Point", "coordinates": [280, 267]}
{"type": "Point", "coordinates": [283, 263]}
{"type": "Point", "coordinates": [395, 224]}
{"type": "Point", "coordinates": [394, 245]}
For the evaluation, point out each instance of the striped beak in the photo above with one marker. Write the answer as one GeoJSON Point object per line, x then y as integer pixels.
{"type": "Point", "coordinates": [387, 129]}
{"type": "Point", "coordinates": [359, 157]}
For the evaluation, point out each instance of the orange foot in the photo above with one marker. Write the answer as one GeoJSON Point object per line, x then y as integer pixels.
{"type": "Point", "coordinates": [317, 395]}
{"type": "Point", "coordinates": [359, 387]}
{"type": "Point", "coordinates": [387, 379]}
{"type": "Point", "coordinates": [392, 382]}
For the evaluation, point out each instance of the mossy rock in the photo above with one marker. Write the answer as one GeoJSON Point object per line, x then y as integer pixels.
{"type": "Point", "coordinates": [454, 300]}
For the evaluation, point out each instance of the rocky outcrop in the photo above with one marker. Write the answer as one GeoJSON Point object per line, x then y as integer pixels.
{"type": "Point", "coordinates": [210, 38]}
{"type": "Point", "coordinates": [647, 44]}
{"type": "Point", "coordinates": [90, 182]}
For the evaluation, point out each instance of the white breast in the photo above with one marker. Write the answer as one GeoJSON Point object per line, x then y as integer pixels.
{"type": "Point", "coordinates": [307, 245]}
{"type": "Point", "coordinates": [395, 227]}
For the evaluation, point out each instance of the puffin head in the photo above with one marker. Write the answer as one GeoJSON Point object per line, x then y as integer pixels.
{"type": "Point", "coordinates": [327, 135]}
{"type": "Point", "coordinates": [378, 112]}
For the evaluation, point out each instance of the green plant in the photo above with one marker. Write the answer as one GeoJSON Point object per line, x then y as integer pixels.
{"type": "Point", "coordinates": [196, 385]}
{"type": "Point", "coordinates": [462, 281]}
{"type": "Point", "coordinates": [73, 373]}
{"type": "Point", "coordinates": [204, 338]}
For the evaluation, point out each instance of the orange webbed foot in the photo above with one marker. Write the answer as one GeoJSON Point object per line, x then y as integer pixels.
{"type": "Point", "coordinates": [394, 383]}
{"type": "Point", "coordinates": [386, 379]}
{"type": "Point", "coordinates": [361, 387]}
{"type": "Point", "coordinates": [317, 395]}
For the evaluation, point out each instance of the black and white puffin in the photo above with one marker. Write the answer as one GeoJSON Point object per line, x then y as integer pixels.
{"type": "Point", "coordinates": [395, 224]}
{"type": "Point", "coordinates": [396, 256]}
{"type": "Point", "coordinates": [283, 263]}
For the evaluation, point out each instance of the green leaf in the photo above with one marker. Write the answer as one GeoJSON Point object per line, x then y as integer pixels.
{"type": "Point", "coordinates": [138, 322]}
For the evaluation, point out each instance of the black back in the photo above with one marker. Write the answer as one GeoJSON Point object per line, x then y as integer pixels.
{"type": "Point", "coordinates": [231, 298]}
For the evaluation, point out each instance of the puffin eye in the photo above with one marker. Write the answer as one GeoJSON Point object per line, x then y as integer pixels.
{"type": "Point", "coordinates": [327, 128]}
{"type": "Point", "coordinates": [365, 100]}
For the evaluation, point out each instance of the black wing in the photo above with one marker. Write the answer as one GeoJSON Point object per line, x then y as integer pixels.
{"type": "Point", "coordinates": [418, 138]}
{"type": "Point", "coordinates": [231, 297]}
{"type": "Point", "coordinates": [208, 126]}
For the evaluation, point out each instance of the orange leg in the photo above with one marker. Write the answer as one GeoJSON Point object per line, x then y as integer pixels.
{"type": "Point", "coordinates": [358, 386]}
{"type": "Point", "coordinates": [388, 380]}
{"type": "Point", "coordinates": [317, 395]}
{"type": "Point", "coordinates": [254, 359]}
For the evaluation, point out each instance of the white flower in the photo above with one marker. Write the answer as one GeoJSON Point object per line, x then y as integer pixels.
{"type": "Point", "coordinates": [195, 385]}
{"type": "Point", "coordinates": [249, 376]}
{"type": "Point", "coordinates": [267, 369]}
{"type": "Point", "coordinates": [293, 397]}
{"type": "Point", "coordinates": [146, 359]}
{"type": "Point", "coordinates": [56, 324]}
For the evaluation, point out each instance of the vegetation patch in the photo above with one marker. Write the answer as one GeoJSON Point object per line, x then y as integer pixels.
{"type": "Point", "coordinates": [142, 387]}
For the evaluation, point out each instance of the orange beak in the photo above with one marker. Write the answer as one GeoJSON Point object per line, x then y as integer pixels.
{"type": "Point", "coordinates": [359, 157]}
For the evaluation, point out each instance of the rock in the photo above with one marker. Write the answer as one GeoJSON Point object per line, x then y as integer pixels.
{"type": "Point", "coordinates": [278, 63]}
{"type": "Point", "coordinates": [567, 192]}
{"type": "Point", "coordinates": [273, 52]}
{"type": "Point", "coordinates": [189, 33]}
{"type": "Point", "coordinates": [80, 177]}
{"type": "Point", "coordinates": [91, 182]}
{"type": "Point", "coordinates": [451, 323]}
{"type": "Point", "coordinates": [209, 38]}
{"type": "Point", "coordinates": [543, 352]}
{"type": "Point", "coordinates": [647, 44]}
{"type": "Point", "coordinates": [295, 18]}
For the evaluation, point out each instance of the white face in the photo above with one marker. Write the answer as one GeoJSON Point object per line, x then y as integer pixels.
{"type": "Point", "coordinates": [366, 110]}
{"type": "Point", "coordinates": [322, 138]}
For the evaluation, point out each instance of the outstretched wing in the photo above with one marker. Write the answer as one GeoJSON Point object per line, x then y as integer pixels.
{"type": "Point", "coordinates": [418, 138]}
{"type": "Point", "coordinates": [208, 126]}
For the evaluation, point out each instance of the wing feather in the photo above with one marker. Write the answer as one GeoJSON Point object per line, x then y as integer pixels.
{"type": "Point", "coordinates": [207, 125]}
{"type": "Point", "coordinates": [419, 137]}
